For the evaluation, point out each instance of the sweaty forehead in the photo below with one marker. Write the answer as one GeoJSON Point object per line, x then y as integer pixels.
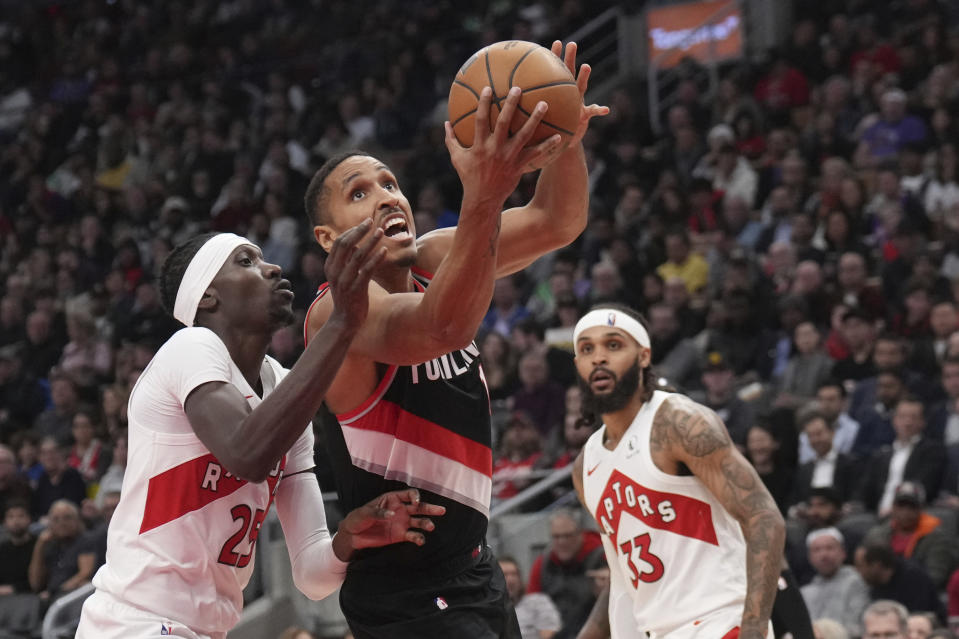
{"type": "Point", "coordinates": [353, 167]}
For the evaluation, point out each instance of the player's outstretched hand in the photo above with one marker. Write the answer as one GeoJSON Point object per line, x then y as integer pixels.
{"type": "Point", "coordinates": [582, 81]}
{"type": "Point", "coordinates": [391, 518]}
{"type": "Point", "coordinates": [353, 257]}
{"type": "Point", "coordinates": [491, 169]}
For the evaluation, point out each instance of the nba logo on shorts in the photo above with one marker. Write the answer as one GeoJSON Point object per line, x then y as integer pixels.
{"type": "Point", "coordinates": [166, 629]}
{"type": "Point", "coordinates": [441, 603]}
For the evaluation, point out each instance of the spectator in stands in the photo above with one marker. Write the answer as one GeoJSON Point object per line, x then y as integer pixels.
{"type": "Point", "coordinates": [888, 354]}
{"type": "Point", "coordinates": [58, 482]}
{"type": "Point", "coordinates": [675, 357]}
{"type": "Point", "coordinates": [831, 403]}
{"type": "Point", "coordinates": [854, 289]}
{"type": "Point", "coordinates": [21, 398]}
{"type": "Point", "coordinates": [676, 295]}
{"type": "Point", "coordinates": [16, 549]}
{"type": "Point", "coordinates": [506, 310]}
{"type": "Point", "coordinates": [528, 337]}
{"type": "Point", "coordinates": [42, 346]}
{"type": "Point", "coordinates": [885, 618]}
{"type": "Point", "coordinates": [86, 358]}
{"type": "Point", "coordinates": [537, 614]}
{"type": "Point", "coordinates": [806, 370]}
{"type": "Point", "coordinates": [499, 365]}
{"type": "Point", "coordinates": [560, 572]}
{"type": "Point", "coordinates": [538, 396]}
{"type": "Point", "coordinates": [88, 454]}
{"type": "Point", "coordinates": [829, 468]}
{"type": "Point", "coordinates": [13, 486]}
{"type": "Point", "coordinates": [915, 534]}
{"type": "Point", "coordinates": [719, 394]}
{"type": "Point", "coordinates": [891, 577]}
{"type": "Point", "coordinates": [520, 452]}
{"type": "Point", "coordinates": [920, 625]}
{"type": "Point", "coordinates": [944, 419]}
{"type": "Point", "coordinates": [837, 591]}
{"type": "Point", "coordinates": [911, 457]}
{"type": "Point", "coordinates": [894, 129]}
{"type": "Point", "coordinates": [59, 563]}
{"type": "Point", "coordinates": [683, 263]}
{"type": "Point", "coordinates": [57, 420]}
{"type": "Point", "coordinates": [299, 633]}
{"type": "Point", "coordinates": [876, 421]}
{"type": "Point", "coordinates": [762, 451]}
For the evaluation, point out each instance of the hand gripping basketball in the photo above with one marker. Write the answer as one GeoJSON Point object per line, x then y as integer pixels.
{"type": "Point", "coordinates": [494, 164]}
{"type": "Point", "coordinates": [582, 81]}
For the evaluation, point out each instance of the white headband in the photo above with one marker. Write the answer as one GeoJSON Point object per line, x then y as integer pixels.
{"type": "Point", "coordinates": [614, 318]}
{"type": "Point", "coordinates": [825, 532]}
{"type": "Point", "coordinates": [202, 269]}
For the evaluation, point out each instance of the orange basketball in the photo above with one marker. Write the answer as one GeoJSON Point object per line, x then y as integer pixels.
{"type": "Point", "coordinates": [540, 74]}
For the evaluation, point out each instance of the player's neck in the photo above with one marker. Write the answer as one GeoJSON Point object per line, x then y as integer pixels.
{"type": "Point", "coordinates": [617, 423]}
{"type": "Point", "coordinates": [395, 279]}
{"type": "Point", "coordinates": [247, 350]}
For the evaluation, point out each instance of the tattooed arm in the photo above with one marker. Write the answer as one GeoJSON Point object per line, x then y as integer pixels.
{"type": "Point", "coordinates": [597, 625]}
{"type": "Point", "coordinates": [689, 433]}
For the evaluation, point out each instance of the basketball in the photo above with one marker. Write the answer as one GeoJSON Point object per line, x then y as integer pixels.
{"type": "Point", "coordinates": [534, 69]}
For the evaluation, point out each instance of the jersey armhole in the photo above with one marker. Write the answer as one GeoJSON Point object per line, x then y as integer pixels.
{"type": "Point", "coordinates": [320, 292]}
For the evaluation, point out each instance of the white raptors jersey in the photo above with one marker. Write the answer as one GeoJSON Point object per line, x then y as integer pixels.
{"type": "Point", "coordinates": [677, 558]}
{"type": "Point", "coordinates": [182, 539]}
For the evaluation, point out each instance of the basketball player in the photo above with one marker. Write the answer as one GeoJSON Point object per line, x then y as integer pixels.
{"type": "Point", "coordinates": [217, 431]}
{"type": "Point", "coordinates": [409, 407]}
{"type": "Point", "coordinates": [693, 540]}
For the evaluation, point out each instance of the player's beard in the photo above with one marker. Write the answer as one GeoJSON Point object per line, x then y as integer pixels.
{"type": "Point", "coordinates": [623, 391]}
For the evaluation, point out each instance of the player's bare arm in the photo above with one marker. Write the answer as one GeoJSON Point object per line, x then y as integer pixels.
{"type": "Point", "coordinates": [557, 213]}
{"type": "Point", "coordinates": [412, 328]}
{"type": "Point", "coordinates": [597, 625]}
{"type": "Point", "coordinates": [689, 433]}
{"type": "Point", "coordinates": [249, 442]}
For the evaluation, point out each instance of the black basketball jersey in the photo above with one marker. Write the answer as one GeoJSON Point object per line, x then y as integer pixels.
{"type": "Point", "coordinates": [425, 426]}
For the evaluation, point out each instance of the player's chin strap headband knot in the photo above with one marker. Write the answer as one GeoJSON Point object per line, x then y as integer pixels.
{"type": "Point", "coordinates": [612, 318]}
{"type": "Point", "coordinates": [202, 269]}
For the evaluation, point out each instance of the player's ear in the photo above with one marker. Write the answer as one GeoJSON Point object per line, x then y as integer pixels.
{"type": "Point", "coordinates": [324, 236]}
{"type": "Point", "coordinates": [645, 358]}
{"type": "Point", "coordinates": [209, 301]}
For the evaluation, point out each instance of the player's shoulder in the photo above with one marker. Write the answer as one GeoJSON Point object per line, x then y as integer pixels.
{"type": "Point", "coordinates": [432, 247]}
{"type": "Point", "coordinates": [187, 340]}
{"type": "Point", "coordinates": [685, 423]}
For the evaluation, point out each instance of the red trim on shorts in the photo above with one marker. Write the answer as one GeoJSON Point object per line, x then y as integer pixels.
{"type": "Point", "coordinates": [320, 292]}
{"type": "Point", "coordinates": [732, 634]}
{"type": "Point", "coordinates": [387, 417]}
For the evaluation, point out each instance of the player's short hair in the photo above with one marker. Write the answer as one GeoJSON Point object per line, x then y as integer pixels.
{"type": "Point", "coordinates": [174, 267]}
{"type": "Point", "coordinates": [314, 202]}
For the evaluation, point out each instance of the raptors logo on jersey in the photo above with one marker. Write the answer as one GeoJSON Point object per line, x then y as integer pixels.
{"type": "Point", "coordinates": [676, 548]}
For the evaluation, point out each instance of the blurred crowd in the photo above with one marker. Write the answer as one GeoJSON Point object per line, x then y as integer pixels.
{"type": "Point", "coordinates": [792, 238]}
